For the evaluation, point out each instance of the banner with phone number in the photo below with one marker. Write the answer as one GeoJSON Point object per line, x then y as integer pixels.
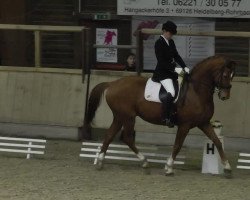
{"type": "Point", "coordinates": [185, 8]}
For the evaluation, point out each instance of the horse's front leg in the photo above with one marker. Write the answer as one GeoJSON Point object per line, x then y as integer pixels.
{"type": "Point", "coordinates": [209, 131]}
{"type": "Point", "coordinates": [179, 139]}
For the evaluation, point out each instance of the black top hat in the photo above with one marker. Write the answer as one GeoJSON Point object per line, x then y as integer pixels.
{"type": "Point", "coordinates": [170, 26]}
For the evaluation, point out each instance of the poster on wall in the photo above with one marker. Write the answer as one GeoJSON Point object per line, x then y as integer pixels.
{"type": "Point", "coordinates": [107, 37]}
{"type": "Point", "coordinates": [185, 8]}
{"type": "Point", "coordinates": [193, 49]}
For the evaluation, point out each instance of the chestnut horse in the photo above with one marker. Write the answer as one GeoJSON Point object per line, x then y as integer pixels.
{"type": "Point", "coordinates": [195, 107]}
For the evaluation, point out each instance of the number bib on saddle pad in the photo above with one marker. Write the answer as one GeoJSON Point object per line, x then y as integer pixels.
{"type": "Point", "coordinates": [153, 90]}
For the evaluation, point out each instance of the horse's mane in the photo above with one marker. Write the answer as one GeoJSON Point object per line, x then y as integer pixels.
{"type": "Point", "coordinates": [187, 77]}
{"type": "Point", "coordinates": [183, 89]}
{"type": "Point", "coordinates": [202, 63]}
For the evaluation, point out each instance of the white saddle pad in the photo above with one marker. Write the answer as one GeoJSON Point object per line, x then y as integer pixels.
{"type": "Point", "coordinates": [152, 90]}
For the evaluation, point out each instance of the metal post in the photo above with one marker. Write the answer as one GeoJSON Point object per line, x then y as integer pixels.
{"type": "Point", "coordinates": [139, 52]}
{"type": "Point", "coordinates": [249, 57]}
{"type": "Point", "coordinates": [83, 54]}
{"type": "Point", "coordinates": [37, 48]}
{"type": "Point", "coordinates": [88, 50]}
{"type": "Point", "coordinates": [79, 6]}
{"type": "Point", "coordinates": [88, 65]}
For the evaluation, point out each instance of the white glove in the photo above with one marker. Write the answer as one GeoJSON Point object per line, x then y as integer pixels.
{"type": "Point", "coordinates": [178, 70]}
{"type": "Point", "coordinates": [187, 70]}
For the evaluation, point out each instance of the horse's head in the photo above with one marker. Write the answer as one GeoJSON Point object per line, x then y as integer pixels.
{"type": "Point", "coordinates": [224, 77]}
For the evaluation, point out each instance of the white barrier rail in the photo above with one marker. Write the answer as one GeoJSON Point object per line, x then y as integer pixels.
{"type": "Point", "coordinates": [117, 152]}
{"type": "Point", "coordinates": [22, 145]}
{"type": "Point", "coordinates": [244, 158]}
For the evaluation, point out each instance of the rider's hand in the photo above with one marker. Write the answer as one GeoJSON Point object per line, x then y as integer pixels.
{"type": "Point", "coordinates": [186, 70]}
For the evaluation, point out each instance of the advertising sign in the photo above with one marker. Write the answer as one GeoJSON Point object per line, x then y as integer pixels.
{"type": "Point", "coordinates": [106, 37]}
{"type": "Point", "coordinates": [185, 8]}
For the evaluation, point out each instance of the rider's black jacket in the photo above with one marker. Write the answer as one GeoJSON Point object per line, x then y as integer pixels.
{"type": "Point", "coordinates": [166, 56]}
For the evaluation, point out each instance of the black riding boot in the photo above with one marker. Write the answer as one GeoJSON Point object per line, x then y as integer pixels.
{"type": "Point", "coordinates": [167, 105]}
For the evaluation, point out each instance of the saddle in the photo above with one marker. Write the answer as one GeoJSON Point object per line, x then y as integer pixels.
{"type": "Point", "coordinates": [154, 91]}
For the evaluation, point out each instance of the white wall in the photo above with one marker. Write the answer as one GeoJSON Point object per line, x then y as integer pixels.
{"type": "Point", "coordinates": [57, 97]}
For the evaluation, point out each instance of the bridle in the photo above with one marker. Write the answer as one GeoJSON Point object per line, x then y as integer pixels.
{"type": "Point", "coordinates": [220, 86]}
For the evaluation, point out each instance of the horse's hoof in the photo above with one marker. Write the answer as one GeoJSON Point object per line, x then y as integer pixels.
{"type": "Point", "coordinates": [228, 173]}
{"type": "Point", "coordinates": [169, 173]}
{"type": "Point", "coordinates": [145, 167]}
{"type": "Point", "coordinates": [99, 165]}
{"type": "Point", "coordinates": [145, 164]}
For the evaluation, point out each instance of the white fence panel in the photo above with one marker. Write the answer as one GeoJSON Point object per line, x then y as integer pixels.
{"type": "Point", "coordinates": [244, 161]}
{"type": "Point", "coordinates": [122, 152]}
{"type": "Point", "coordinates": [22, 145]}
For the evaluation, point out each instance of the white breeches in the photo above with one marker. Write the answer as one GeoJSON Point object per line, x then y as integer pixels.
{"type": "Point", "coordinates": [169, 86]}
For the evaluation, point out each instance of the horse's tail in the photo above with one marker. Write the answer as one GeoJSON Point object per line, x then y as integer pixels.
{"type": "Point", "coordinates": [93, 103]}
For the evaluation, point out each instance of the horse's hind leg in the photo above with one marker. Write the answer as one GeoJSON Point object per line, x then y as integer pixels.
{"type": "Point", "coordinates": [128, 138]}
{"type": "Point", "coordinates": [112, 131]}
{"type": "Point", "coordinates": [121, 136]}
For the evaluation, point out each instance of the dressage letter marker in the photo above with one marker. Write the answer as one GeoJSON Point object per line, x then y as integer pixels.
{"type": "Point", "coordinates": [211, 159]}
{"type": "Point", "coordinates": [210, 148]}
{"type": "Point", "coordinates": [22, 145]}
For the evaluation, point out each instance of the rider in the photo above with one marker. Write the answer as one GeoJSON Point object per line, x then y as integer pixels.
{"type": "Point", "coordinates": [167, 55]}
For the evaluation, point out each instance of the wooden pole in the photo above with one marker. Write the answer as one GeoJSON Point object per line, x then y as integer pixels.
{"type": "Point", "coordinates": [87, 67]}
{"type": "Point", "coordinates": [139, 52]}
{"type": "Point", "coordinates": [37, 48]}
{"type": "Point", "coordinates": [83, 54]}
{"type": "Point", "coordinates": [41, 28]}
{"type": "Point", "coordinates": [249, 57]}
{"type": "Point", "coordinates": [207, 34]}
{"type": "Point", "coordinates": [88, 50]}
{"type": "Point", "coordinates": [86, 134]}
{"type": "Point", "coordinates": [116, 46]}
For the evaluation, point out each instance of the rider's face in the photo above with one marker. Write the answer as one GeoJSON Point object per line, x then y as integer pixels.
{"type": "Point", "coordinates": [167, 35]}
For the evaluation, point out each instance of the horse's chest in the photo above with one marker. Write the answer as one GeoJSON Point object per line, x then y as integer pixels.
{"type": "Point", "coordinates": [200, 112]}
{"type": "Point", "coordinates": [206, 112]}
